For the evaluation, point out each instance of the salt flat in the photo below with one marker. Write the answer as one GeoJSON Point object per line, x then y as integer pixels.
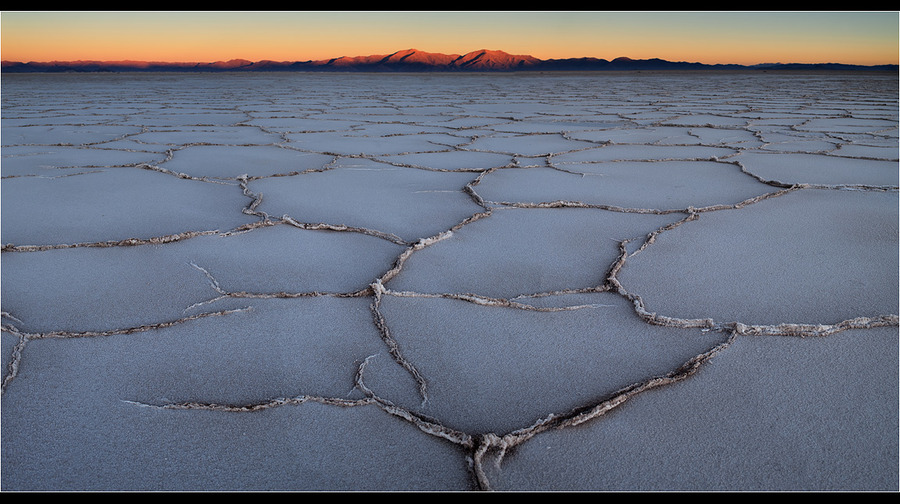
{"type": "Point", "coordinates": [609, 281]}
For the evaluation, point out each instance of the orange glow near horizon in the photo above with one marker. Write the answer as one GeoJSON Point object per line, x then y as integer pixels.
{"type": "Point", "coordinates": [726, 37]}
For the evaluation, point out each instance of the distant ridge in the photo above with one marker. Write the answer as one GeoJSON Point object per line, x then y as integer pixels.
{"type": "Point", "coordinates": [412, 60]}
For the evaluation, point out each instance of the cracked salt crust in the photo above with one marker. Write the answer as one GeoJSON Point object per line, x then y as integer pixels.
{"type": "Point", "coordinates": [446, 283]}
{"type": "Point", "coordinates": [842, 247]}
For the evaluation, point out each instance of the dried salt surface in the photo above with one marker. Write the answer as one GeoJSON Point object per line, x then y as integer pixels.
{"type": "Point", "coordinates": [232, 161]}
{"type": "Point", "coordinates": [526, 251]}
{"type": "Point", "coordinates": [767, 413]}
{"type": "Point", "coordinates": [274, 123]}
{"type": "Point", "coordinates": [112, 205]}
{"type": "Point", "coordinates": [132, 144]}
{"type": "Point", "coordinates": [235, 135]}
{"type": "Point", "coordinates": [90, 288]}
{"type": "Point", "coordinates": [449, 282]}
{"type": "Point", "coordinates": [801, 168]}
{"type": "Point", "coordinates": [625, 134]}
{"type": "Point", "coordinates": [57, 161]}
{"type": "Point", "coordinates": [225, 360]}
{"type": "Point", "coordinates": [867, 152]}
{"type": "Point", "coordinates": [666, 185]}
{"type": "Point", "coordinates": [810, 256]}
{"type": "Point", "coordinates": [348, 144]}
{"type": "Point", "coordinates": [93, 288]}
{"type": "Point", "coordinates": [800, 145]}
{"type": "Point", "coordinates": [189, 116]}
{"type": "Point", "coordinates": [570, 127]}
{"type": "Point", "coordinates": [641, 152]}
{"type": "Point", "coordinates": [451, 161]}
{"type": "Point", "coordinates": [408, 203]}
{"type": "Point", "coordinates": [528, 145]}
{"type": "Point", "coordinates": [558, 360]}
{"type": "Point", "coordinates": [705, 120]}
{"type": "Point", "coordinates": [64, 134]}
{"type": "Point", "coordinates": [834, 125]}
{"type": "Point", "coordinates": [735, 138]}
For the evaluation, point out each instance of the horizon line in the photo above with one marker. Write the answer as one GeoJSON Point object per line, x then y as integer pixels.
{"type": "Point", "coordinates": [457, 55]}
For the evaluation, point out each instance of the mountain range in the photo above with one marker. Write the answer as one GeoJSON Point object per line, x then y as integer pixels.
{"type": "Point", "coordinates": [412, 60]}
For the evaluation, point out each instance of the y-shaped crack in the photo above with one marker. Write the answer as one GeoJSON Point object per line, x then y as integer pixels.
{"type": "Point", "coordinates": [480, 446]}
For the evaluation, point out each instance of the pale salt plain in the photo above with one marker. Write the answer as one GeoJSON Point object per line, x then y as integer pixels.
{"type": "Point", "coordinates": [450, 282]}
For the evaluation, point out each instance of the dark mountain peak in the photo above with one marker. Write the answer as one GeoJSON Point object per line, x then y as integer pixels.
{"type": "Point", "coordinates": [414, 56]}
{"type": "Point", "coordinates": [232, 63]}
{"type": "Point", "coordinates": [487, 59]}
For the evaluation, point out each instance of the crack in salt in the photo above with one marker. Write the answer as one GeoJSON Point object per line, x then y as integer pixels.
{"type": "Point", "coordinates": [25, 337]}
{"type": "Point", "coordinates": [631, 113]}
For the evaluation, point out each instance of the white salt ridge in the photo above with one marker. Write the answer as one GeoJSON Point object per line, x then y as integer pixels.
{"type": "Point", "coordinates": [447, 282]}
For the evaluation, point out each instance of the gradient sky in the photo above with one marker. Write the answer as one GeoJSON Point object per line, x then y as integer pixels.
{"type": "Point", "coordinates": [865, 38]}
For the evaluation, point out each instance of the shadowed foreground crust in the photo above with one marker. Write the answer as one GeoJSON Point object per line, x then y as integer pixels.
{"type": "Point", "coordinates": [427, 282]}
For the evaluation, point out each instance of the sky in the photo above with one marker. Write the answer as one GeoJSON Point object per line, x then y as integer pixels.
{"type": "Point", "coordinates": [864, 38]}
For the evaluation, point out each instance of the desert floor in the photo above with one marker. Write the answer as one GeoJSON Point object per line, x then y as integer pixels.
{"type": "Point", "coordinates": [388, 282]}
